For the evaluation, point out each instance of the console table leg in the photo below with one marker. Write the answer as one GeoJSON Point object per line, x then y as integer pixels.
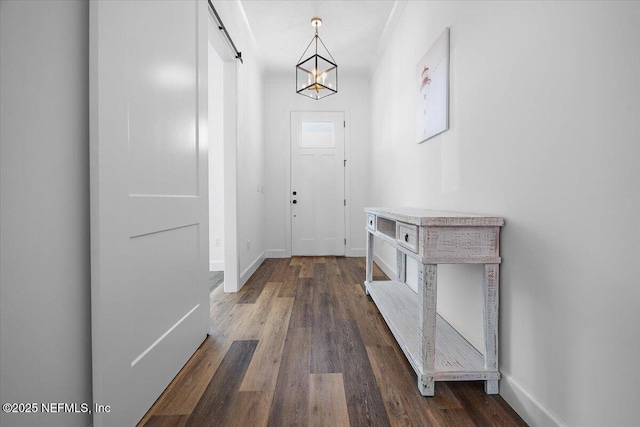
{"type": "Point", "coordinates": [491, 387]}
{"type": "Point", "coordinates": [369, 266]}
{"type": "Point", "coordinates": [427, 388]}
{"type": "Point", "coordinates": [401, 266]}
{"type": "Point", "coordinates": [491, 294]}
{"type": "Point", "coordinates": [427, 297]}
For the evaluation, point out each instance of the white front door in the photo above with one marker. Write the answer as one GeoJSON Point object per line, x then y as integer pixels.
{"type": "Point", "coordinates": [317, 183]}
{"type": "Point", "coordinates": [149, 257]}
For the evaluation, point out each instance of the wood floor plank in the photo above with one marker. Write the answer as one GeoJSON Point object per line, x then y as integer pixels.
{"type": "Point", "coordinates": [248, 408]}
{"type": "Point", "coordinates": [166, 421]}
{"type": "Point", "coordinates": [325, 357]}
{"type": "Point", "coordinates": [397, 382]}
{"type": "Point", "coordinates": [253, 288]}
{"type": "Point", "coordinates": [306, 267]}
{"type": "Point", "coordinates": [373, 328]}
{"type": "Point", "coordinates": [358, 269]}
{"type": "Point", "coordinates": [301, 315]}
{"type": "Point", "coordinates": [339, 293]}
{"type": "Point", "coordinates": [290, 404]}
{"type": "Point", "coordinates": [378, 274]}
{"type": "Point", "coordinates": [364, 401]}
{"type": "Point", "coordinates": [454, 417]}
{"type": "Point", "coordinates": [226, 381]}
{"type": "Point", "coordinates": [221, 303]}
{"type": "Point", "coordinates": [184, 392]}
{"type": "Point", "coordinates": [444, 397]}
{"type": "Point", "coordinates": [319, 276]}
{"type": "Point", "coordinates": [251, 324]}
{"type": "Point", "coordinates": [322, 304]}
{"type": "Point", "coordinates": [327, 401]}
{"type": "Point", "coordinates": [279, 270]}
{"type": "Point", "coordinates": [290, 282]}
{"type": "Point", "coordinates": [514, 416]}
{"type": "Point", "coordinates": [332, 266]}
{"type": "Point", "coordinates": [262, 373]}
{"type": "Point", "coordinates": [250, 293]}
{"type": "Point", "coordinates": [240, 325]}
{"type": "Point", "coordinates": [483, 408]}
{"type": "Point", "coordinates": [322, 307]}
{"type": "Point", "coordinates": [345, 270]}
{"type": "Point", "coordinates": [225, 328]}
{"type": "Point", "coordinates": [402, 409]}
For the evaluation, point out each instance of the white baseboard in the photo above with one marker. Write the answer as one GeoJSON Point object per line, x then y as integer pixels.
{"type": "Point", "coordinates": [356, 252]}
{"type": "Point", "coordinates": [276, 253]}
{"type": "Point", "coordinates": [526, 404]}
{"type": "Point", "coordinates": [216, 265]}
{"type": "Point", "coordinates": [282, 253]}
{"type": "Point", "coordinates": [246, 274]}
{"type": "Point", "coordinates": [388, 270]}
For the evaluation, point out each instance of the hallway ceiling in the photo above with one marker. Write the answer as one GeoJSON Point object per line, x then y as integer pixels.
{"type": "Point", "coordinates": [353, 31]}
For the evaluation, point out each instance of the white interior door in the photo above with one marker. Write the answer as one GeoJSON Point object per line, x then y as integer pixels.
{"type": "Point", "coordinates": [148, 68]}
{"type": "Point", "coordinates": [317, 183]}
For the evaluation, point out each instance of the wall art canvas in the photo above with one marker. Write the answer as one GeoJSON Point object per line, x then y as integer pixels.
{"type": "Point", "coordinates": [432, 112]}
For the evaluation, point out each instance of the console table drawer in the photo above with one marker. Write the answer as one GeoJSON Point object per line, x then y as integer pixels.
{"type": "Point", "coordinates": [407, 235]}
{"type": "Point", "coordinates": [463, 244]}
{"type": "Point", "coordinates": [371, 222]}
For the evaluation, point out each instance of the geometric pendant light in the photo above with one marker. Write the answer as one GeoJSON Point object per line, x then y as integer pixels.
{"type": "Point", "coordinates": [317, 75]}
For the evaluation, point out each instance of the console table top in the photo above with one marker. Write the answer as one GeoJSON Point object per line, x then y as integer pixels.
{"type": "Point", "coordinates": [426, 217]}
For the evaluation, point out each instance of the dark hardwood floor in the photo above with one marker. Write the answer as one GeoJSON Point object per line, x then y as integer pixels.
{"type": "Point", "coordinates": [301, 344]}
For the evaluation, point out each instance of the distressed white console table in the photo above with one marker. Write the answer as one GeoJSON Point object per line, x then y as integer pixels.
{"type": "Point", "coordinates": [436, 351]}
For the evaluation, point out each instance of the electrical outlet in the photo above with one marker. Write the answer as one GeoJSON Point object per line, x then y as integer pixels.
{"type": "Point", "coordinates": [248, 245]}
{"type": "Point", "coordinates": [217, 241]}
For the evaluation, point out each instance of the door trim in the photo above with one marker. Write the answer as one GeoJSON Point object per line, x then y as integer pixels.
{"type": "Point", "coordinates": [347, 183]}
{"type": "Point", "coordinates": [230, 144]}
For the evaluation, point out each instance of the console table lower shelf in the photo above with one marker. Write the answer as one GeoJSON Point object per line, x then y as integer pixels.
{"type": "Point", "coordinates": [455, 358]}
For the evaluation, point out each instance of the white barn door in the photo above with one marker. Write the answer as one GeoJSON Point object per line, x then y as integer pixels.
{"type": "Point", "coordinates": [317, 183]}
{"type": "Point", "coordinates": [148, 81]}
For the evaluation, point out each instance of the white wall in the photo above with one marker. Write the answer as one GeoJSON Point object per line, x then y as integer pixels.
{"type": "Point", "coordinates": [45, 326]}
{"type": "Point", "coordinates": [545, 124]}
{"type": "Point", "coordinates": [250, 169]}
{"type": "Point", "coordinates": [280, 99]}
{"type": "Point", "coordinates": [250, 140]}
{"type": "Point", "coordinates": [216, 161]}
